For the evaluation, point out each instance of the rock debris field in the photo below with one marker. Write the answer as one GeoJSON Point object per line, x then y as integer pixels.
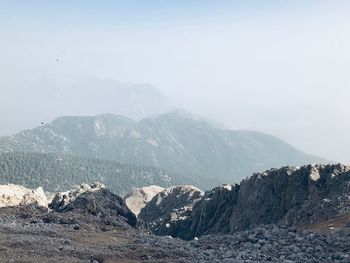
{"type": "Point", "coordinates": [30, 239]}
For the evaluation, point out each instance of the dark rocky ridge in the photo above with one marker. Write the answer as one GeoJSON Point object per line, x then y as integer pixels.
{"type": "Point", "coordinates": [289, 196]}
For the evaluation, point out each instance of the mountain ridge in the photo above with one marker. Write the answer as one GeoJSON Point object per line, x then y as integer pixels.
{"type": "Point", "coordinates": [174, 141]}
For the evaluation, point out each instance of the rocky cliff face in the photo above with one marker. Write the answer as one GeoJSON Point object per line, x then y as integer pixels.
{"type": "Point", "coordinates": [138, 198]}
{"type": "Point", "coordinates": [290, 196]}
{"type": "Point", "coordinates": [169, 212]}
{"type": "Point", "coordinates": [213, 212]}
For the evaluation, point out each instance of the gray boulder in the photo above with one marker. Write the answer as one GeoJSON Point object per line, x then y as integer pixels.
{"type": "Point", "coordinates": [94, 203]}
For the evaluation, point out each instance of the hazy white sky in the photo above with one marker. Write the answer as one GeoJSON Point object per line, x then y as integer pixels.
{"type": "Point", "coordinates": [277, 66]}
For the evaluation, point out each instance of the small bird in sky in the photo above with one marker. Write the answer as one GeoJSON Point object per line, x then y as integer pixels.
{"type": "Point", "coordinates": [42, 123]}
{"type": "Point", "coordinates": [57, 59]}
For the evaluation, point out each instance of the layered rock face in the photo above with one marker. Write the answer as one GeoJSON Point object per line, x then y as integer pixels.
{"type": "Point", "coordinates": [169, 212]}
{"type": "Point", "coordinates": [213, 212]}
{"type": "Point", "coordinates": [139, 197]}
{"type": "Point", "coordinates": [289, 196]}
{"type": "Point", "coordinates": [14, 195]}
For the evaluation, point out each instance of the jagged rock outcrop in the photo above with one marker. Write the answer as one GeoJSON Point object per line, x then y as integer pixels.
{"type": "Point", "coordinates": [169, 212]}
{"type": "Point", "coordinates": [63, 199]}
{"type": "Point", "coordinates": [91, 224]}
{"type": "Point", "coordinates": [14, 195]}
{"type": "Point", "coordinates": [290, 196]}
{"type": "Point", "coordinates": [138, 198]}
{"type": "Point", "coordinates": [96, 203]}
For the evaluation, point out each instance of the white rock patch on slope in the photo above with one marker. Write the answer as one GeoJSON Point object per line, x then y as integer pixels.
{"type": "Point", "coordinates": [14, 195]}
{"type": "Point", "coordinates": [139, 197]}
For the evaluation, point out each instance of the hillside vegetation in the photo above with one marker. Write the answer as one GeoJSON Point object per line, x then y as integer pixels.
{"type": "Point", "coordinates": [55, 172]}
{"type": "Point", "coordinates": [178, 142]}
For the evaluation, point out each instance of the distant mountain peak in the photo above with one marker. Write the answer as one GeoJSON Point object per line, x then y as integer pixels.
{"type": "Point", "coordinates": [183, 114]}
{"type": "Point", "coordinates": [88, 97]}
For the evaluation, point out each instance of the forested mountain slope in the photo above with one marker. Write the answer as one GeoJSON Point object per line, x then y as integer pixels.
{"type": "Point", "coordinates": [56, 172]}
{"type": "Point", "coordinates": [178, 142]}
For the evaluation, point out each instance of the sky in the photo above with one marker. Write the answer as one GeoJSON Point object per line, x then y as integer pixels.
{"type": "Point", "coordinates": [280, 67]}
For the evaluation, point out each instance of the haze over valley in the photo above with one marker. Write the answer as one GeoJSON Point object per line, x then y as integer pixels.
{"type": "Point", "coordinates": [248, 65]}
{"type": "Point", "coordinates": [174, 131]}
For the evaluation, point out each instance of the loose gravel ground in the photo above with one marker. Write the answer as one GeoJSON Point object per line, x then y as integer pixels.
{"type": "Point", "coordinates": [29, 239]}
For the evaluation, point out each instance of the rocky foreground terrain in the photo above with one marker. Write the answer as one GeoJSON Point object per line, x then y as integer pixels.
{"type": "Point", "coordinates": [291, 214]}
{"type": "Point", "coordinates": [34, 240]}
